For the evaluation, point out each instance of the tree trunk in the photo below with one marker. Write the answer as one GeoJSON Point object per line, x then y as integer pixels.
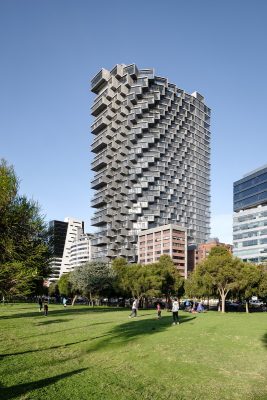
{"type": "Point", "coordinates": [247, 306]}
{"type": "Point", "coordinates": [74, 299]}
{"type": "Point", "coordinates": [223, 296]}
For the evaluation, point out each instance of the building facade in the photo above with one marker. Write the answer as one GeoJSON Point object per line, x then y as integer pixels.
{"type": "Point", "coordinates": [152, 159]}
{"type": "Point", "coordinates": [63, 234]}
{"type": "Point", "coordinates": [168, 239]}
{"type": "Point", "coordinates": [250, 217]}
{"type": "Point", "coordinates": [192, 258]}
{"type": "Point", "coordinates": [81, 250]}
{"type": "Point", "coordinates": [58, 232]}
{"type": "Point", "coordinates": [205, 248]}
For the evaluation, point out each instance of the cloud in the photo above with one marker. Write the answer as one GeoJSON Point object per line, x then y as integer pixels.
{"type": "Point", "coordinates": [222, 227]}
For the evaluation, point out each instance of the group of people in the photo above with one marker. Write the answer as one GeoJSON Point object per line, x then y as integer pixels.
{"type": "Point", "coordinates": [174, 309]}
{"type": "Point", "coordinates": [43, 304]}
{"type": "Point", "coordinates": [193, 307]}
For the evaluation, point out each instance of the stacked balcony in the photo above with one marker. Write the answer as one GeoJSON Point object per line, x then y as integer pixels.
{"type": "Point", "coordinates": [99, 80]}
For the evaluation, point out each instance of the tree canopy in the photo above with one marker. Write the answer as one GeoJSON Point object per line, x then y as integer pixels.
{"type": "Point", "coordinates": [24, 240]}
{"type": "Point", "coordinates": [92, 279]}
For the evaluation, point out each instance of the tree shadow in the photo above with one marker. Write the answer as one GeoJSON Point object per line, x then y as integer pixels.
{"type": "Point", "coordinates": [264, 340]}
{"type": "Point", "coordinates": [52, 321]}
{"type": "Point", "coordinates": [65, 311]}
{"type": "Point", "coordinates": [65, 330]}
{"type": "Point", "coordinates": [43, 349]}
{"type": "Point", "coordinates": [135, 328]}
{"type": "Point", "coordinates": [23, 388]}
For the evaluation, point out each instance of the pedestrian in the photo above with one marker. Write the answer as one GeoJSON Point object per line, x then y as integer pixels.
{"type": "Point", "coordinates": [134, 308]}
{"type": "Point", "coordinates": [175, 309]}
{"type": "Point", "coordinates": [159, 310]}
{"type": "Point", "coordinates": [200, 307]}
{"type": "Point", "coordinates": [40, 301]}
{"type": "Point", "coordinates": [45, 308]}
{"type": "Point", "coordinates": [64, 302]}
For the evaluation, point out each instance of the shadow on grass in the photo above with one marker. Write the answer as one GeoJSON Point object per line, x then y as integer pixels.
{"type": "Point", "coordinates": [135, 328]}
{"type": "Point", "coordinates": [66, 311]}
{"type": "Point", "coordinates": [43, 349]}
{"type": "Point", "coordinates": [24, 388]}
{"type": "Point", "coordinates": [264, 340]}
{"type": "Point", "coordinates": [65, 330]}
{"type": "Point", "coordinates": [52, 321]}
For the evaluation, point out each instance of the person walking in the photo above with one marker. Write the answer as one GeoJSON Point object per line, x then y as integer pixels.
{"type": "Point", "coordinates": [159, 310]}
{"type": "Point", "coordinates": [40, 302]}
{"type": "Point", "coordinates": [64, 302]}
{"type": "Point", "coordinates": [175, 309]}
{"type": "Point", "coordinates": [45, 308]}
{"type": "Point", "coordinates": [134, 308]}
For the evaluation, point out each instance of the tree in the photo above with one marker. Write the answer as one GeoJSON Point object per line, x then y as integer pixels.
{"type": "Point", "coordinates": [249, 276]}
{"type": "Point", "coordinates": [53, 289]}
{"type": "Point", "coordinates": [172, 281]}
{"type": "Point", "coordinates": [150, 280]}
{"type": "Point", "coordinates": [263, 284]}
{"type": "Point", "coordinates": [91, 279]}
{"type": "Point", "coordinates": [220, 270]}
{"type": "Point", "coordinates": [64, 285]}
{"type": "Point", "coordinates": [24, 240]}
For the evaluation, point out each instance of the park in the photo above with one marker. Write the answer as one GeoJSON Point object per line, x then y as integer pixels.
{"type": "Point", "coordinates": [84, 352]}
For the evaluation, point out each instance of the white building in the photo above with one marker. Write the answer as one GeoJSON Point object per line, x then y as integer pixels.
{"type": "Point", "coordinates": [71, 246]}
{"type": "Point", "coordinates": [81, 250]}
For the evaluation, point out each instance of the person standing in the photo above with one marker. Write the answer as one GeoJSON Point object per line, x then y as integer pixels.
{"type": "Point", "coordinates": [64, 302]}
{"type": "Point", "coordinates": [175, 309]}
{"type": "Point", "coordinates": [45, 308]}
{"type": "Point", "coordinates": [40, 302]}
{"type": "Point", "coordinates": [134, 309]}
{"type": "Point", "coordinates": [159, 310]}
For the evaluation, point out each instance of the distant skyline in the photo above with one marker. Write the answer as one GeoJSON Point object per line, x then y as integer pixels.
{"type": "Point", "coordinates": [50, 50]}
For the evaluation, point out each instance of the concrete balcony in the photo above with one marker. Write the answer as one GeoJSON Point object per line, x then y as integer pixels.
{"type": "Point", "coordinates": [100, 241]}
{"type": "Point", "coordinates": [98, 201]}
{"type": "Point", "coordinates": [118, 71]}
{"type": "Point", "coordinates": [132, 70]}
{"type": "Point", "coordinates": [99, 124]}
{"type": "Point", "coordinates": [123, 232]}
{"type": "Point", "coordinates": [99, 106]}
{"type": "Point", "coordinates": [99, 80]}
{"type": "Point", "coordinates": [110, 233]}
{"type": "Point", "coordinates": [99, 182]}
{"type": "Point", "coordinates": [99, 144]}
{"type": "Point", "coordinates": [99, 163]}
{"type": "Point", "coordinates": [98, 221]}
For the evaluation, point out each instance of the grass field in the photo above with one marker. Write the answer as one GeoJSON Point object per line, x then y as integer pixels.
{"type": "Point", "coordinates": [84, 353]}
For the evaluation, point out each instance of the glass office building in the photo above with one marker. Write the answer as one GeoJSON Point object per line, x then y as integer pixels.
{"type": "Point", "coordinates": [250, 217]}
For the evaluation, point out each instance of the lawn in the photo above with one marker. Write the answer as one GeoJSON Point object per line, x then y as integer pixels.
{"type": "Point", "coordinates": [97, 354]}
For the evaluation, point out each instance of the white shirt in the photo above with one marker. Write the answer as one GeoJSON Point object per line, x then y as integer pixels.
{"type": "Point", "coordinates": [134, 306]}
{"type": "Point", "coordinates": [175, 306]}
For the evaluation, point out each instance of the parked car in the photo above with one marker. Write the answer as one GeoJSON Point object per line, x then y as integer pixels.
{"type": "Point", "coordinates": [256, 303]}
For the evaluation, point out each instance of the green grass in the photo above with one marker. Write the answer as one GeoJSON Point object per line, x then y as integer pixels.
{"type": "Point", "coordinates": [100, 354]}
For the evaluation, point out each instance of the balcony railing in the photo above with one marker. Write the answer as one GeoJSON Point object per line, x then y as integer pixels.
{"type": "Point", "coordinates": [99, 79]}
{"type": "Point", "coordinates": [99, 106]}
{"type": "Point", "coordinates": [99, 124]}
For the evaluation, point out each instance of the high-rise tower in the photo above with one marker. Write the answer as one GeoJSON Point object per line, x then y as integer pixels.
{"type": "Point", "coordinates": [152, 159]}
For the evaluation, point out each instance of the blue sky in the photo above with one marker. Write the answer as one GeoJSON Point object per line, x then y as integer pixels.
{"type": "Point", "coordinates": [51, 49]}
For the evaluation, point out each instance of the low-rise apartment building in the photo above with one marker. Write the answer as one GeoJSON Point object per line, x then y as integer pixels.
{"type": "Point", "coordinates": [167, 239]}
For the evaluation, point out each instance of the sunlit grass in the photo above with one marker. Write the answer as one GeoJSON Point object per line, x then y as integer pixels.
{"type": "Point", "coordinates": [84, 353]}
